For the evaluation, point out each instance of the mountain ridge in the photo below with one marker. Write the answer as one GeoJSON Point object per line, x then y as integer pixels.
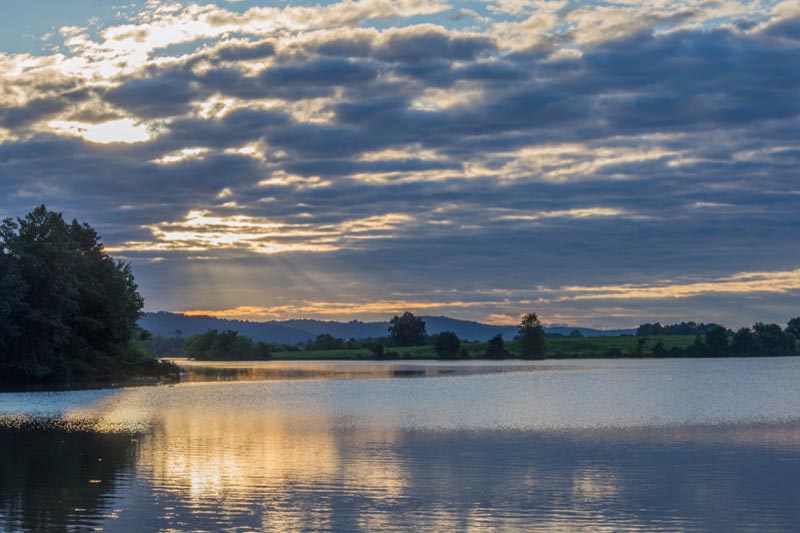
{"type": "Point", "coordinates": [294, 331]}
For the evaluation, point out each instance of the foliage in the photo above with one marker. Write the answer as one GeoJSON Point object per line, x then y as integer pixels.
{"type": "Point", "coordinates": [496, 348]}
{"type": "Point", "coordinates": [744, 343]}
{"type": "Point", "coordinates": [684, 328]}
{"type": "Point", "coordinates": [326, 342]}
{"type": "Point", "coordinates": [447, 345]}
{"type": "Point", "coordinates": [793, 327]}
{"type": "Point", "coordinates": [227, 345]}
{"type": "Point", "coordinates": [165, 346]}
{"type": "Point", "coordinates": [531, 337]}
{"type": "Point", "coordinates": [377, 351]}
{"type": "Point", "coordinates": [407, 330]}
{"type": "Point", "coordinates": [67, 309]}
{"type": "Point", "coordinates": [716, 341]}
{"type": "Point", "coordinates": [772, 340]}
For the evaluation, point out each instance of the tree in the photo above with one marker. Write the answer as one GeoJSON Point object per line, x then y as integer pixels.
{"type": "Point", "coordinates": [575, 334]}
{"type": "Point", "coordinates": [496, 348]}
{"type": "Point", "coordinates": [226, 345]}
{"type": "Point", "coordinates": [73, 309]}
{"type": "Point", "coordinates": [447, 345]}
{"type": "Point", "coordinates": [698, 347]}
{"type": "Point", "coordinates": [659, 350]}
{"type": "Point", "coordinates": [744, 344]}
{"type": "Point", "coordinates": [407, 330]}
{"type": "Point", "coordinates": [772, 340]}
{"type": "Point", "coordinates": [717, 341]}
{"type": "Point", "coordinates": [793, 327]}
{"type": "Point", "coordinates": [648, 330]}
{"type": "Point", "coordinates": [325, 341]}
{"type": "Point", "coordinates": [531, 337]}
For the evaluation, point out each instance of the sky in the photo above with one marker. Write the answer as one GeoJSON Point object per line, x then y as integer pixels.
{"type": "Point", "coordinates": [603, 164]}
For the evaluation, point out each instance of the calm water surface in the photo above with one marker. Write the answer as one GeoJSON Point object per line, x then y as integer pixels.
{"type": "Point", "coordinates": [622, 445]}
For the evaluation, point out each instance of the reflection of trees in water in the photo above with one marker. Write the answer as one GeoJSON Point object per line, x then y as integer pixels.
{"type": "Point", "coordinates": [55, 480]}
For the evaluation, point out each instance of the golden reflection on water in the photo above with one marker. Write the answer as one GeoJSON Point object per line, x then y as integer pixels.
{"type": "Point", "coordinates": [209, 458]}
{"type": "Point", "coordinates": [341, 456]}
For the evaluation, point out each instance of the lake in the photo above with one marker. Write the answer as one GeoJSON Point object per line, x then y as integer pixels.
{"type": "Point", "coordinates": [588, 445]}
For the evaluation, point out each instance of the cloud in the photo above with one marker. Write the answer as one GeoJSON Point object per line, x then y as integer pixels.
{"type": "Point", "coordinates": [609, 145]}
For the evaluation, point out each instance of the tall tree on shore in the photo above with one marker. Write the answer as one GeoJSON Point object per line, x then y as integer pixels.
{"type": "Point", "coordinates": [70, 309]}
{"type": "Point", "coordinates": [447, 345]}
{"type": "Point", "coordinates": [717, 341]}
{"type": "Point", "coordinates": [531, 337]}
{"type": "Point", "coordinates": [407, 330]}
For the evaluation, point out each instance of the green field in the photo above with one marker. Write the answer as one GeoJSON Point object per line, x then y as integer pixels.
{"type": "Point", "coordinates": [560, 347]}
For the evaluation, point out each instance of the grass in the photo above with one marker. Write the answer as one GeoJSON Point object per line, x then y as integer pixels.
{"type": "Point", "coordinates": [559, 347]}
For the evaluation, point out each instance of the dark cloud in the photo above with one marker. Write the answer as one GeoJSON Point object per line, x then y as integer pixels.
{"type": "Point", "coordinates": [412, 47]}
{"type": "Point", "coordinates": [683, 143]}
{"type": "Point", "coordinates": [170, 94]}
{"type": "Point", "coordinates": [241, 52]}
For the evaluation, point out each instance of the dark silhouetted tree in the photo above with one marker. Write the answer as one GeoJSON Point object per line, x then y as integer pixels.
{"type": "Point", "coordinates": [793, 327]}
{"type": "Point", "coordinates": [531, 337]}
{"type": "Point", "coordinates": [326, 341]}
{"type": "Point", "coordinates": [659, 350]}
{"type": "Point", "coordinates": [407, 330]}
{"type": "Point", "coordinates": [744, 344]}
{"type": "Point", "coordinates": [716, 341]}
{"type": "Point", "coordinates": [772, 340]}
{"type": "Point", "coordinates": [447, 345]}
{"type": "Point", "coordinates": [216, 345]}
{"type": "Point", "coordinates": [698, 348]}
{"type": "Point", "coordinates": [71, 310]}
{"type": "Point", "coordinates": [496, 348]}
{"type": "Point", "coordinates": [647, 330]}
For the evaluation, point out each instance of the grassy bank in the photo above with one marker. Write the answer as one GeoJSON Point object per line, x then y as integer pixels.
{"type": "Point", "coordinates": [561, 347]}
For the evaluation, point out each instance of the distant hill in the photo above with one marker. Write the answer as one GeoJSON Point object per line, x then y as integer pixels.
{"type": "Point", "coordinates": [294, 331]}
{"type": "Point", "coordinates": [166, 324]}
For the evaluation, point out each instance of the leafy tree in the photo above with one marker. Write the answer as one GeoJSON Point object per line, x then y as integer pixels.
{"type": "Point", "coordinates": [447, 345]}
{"type": "Point", "coordinates": [376, 351]}
{"type": "Point", "coordinates": [793, 327]}
{"type": "Point", "coordinates": [496, 348]}
{"type": "Point", "coordinates": [70, 310]}
{"type": "Point", "coordinates": [407, 330]}
{"type": "Point", "coordinates": [698, 348]}
{"type": "Point", "coordinates": [640, 343]}
{"type": "Point", "coordinates": [531, 337]}
{"type": "Point", "coordinates": [716, 341]}
{"type": "Point", "coordinates": [226, 345]}
{"type": "Point", "coordinates": [647, 330]}
{"type": "Point", "coordinates": [744, 343]}
{"type": "Point", "coordinates": [576, 334]}
{"type": "Point", "coordinates": [326, 341]}
{"type": "Point", "coordinates": [772, 340]}
{"type": "Point", "coordinates": [659, 350]}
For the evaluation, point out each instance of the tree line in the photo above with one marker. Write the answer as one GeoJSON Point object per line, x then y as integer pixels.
{"type": "Point", "coordinates": [408, 330]}
{"type": "Point", "coordinates": [762, 340]}
{"type": "Point", "coordinates": [404, 331]}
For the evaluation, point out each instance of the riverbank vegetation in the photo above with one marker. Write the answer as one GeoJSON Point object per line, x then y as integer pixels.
{"type": "Point", "coordinates": [687, 339]}
{"type": "Point", "coordinates": [68, 311]}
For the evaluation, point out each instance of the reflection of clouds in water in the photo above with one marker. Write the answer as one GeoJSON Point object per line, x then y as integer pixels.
{"type": "Point", "coordinates": [561, 450]}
